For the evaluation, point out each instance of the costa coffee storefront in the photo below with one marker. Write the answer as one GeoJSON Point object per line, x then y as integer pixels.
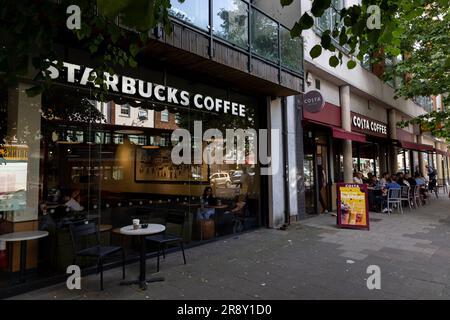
{"type": "Point", "coordinates": [370, 156]}
{"type": "Point", "coordinates": [323, 159]}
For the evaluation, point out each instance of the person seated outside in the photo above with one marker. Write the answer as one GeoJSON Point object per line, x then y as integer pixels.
{"type": "Point", "coordinates": [383, 180]}
{"type": "Point", "coordinates": [357, 177]}
{"type": "Point", "coordinates": [73, 203]}
{"type": "Point", "coordinates": [391, 184]}
{"type": "Point", "coordinates": [373, 182]}
{"type": "Point", "coordinates": [207, 199]}
{"type": "Point", "coordinates": [411, 180]}
{"type": "Point", "coordinates": [420, 181]}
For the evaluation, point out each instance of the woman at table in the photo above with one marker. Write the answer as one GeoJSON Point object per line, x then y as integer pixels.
{"type": "Point", "coordinates": [357, 177]}
{"type": "Point", "coordinates": [207, 199]}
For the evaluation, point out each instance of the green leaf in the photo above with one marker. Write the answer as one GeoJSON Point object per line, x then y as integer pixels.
{"type": "Point", "coordinates": [111, 8]}
{"type": "Point", "coordinates": [333, 61]}
{"type": "Point", "coordinates": [134, 49]}
{"type": "Point", "coordinates": [351, 64]}
{"type": "Point", "coordinates": [315, 51]}
{"type": "Point", "coordinates": [306, 21]}
{"type": "Point", "coordinates": [318, 7]}
{"type": "Point", "coordinates": [325, 40]}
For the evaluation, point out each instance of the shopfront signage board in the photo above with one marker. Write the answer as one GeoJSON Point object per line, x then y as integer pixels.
{"type": "Point", "coordinates": [353, 206]}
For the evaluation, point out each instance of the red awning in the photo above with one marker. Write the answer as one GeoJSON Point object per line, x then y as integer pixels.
{"type": "Point", "coordinates": [442, 153]}
{"type": "Point", "coordinates": [416, 146]}
{"type": "Point", "coordinates": [346, 135]}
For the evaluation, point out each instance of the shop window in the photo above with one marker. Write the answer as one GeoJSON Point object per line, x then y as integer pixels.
{"type": "Point", "coordinates": [165, 115]}
{"type": "Point", "coordinates": [125, 110]}
{"type": "Point", "coordinates": [177, 118]}
{"type": "Point", "coordinates": [230, 21]}
{"type": "Point", "coordinates": [143, 114]}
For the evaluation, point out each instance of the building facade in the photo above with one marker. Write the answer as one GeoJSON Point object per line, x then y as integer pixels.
{"type": "Point", "coordinates": [227, 65]}
{"type": "Point", "coordinates": [357, 130]}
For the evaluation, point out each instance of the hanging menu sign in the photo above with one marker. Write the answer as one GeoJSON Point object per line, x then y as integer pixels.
{"type": "Point", "coordinates": [353, 206]}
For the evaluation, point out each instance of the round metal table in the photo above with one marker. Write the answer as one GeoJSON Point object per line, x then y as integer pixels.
{"type": "Point", "coordinates": [23, 237]}
{"type": "Point", "coordinates": [142, 233]}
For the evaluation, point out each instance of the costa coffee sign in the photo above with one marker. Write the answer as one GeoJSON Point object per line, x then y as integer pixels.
{"type": "Point", "coordinates": [313, 101]}
{"type": "Point", "coordinates": [369, 126]}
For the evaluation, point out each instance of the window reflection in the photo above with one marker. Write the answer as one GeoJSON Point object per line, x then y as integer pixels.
{"type": "Point", "coordinates": [291, 50]}
{"type": "Point", "coordinates": [264, 36]}
{"type": "Point", "coordinates": [231, 21]}
{"type": "Point", "coordinates": [193, 12]}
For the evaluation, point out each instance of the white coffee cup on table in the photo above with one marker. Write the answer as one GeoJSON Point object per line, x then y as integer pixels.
{"type": "Point", "coordinates": [136, 223]}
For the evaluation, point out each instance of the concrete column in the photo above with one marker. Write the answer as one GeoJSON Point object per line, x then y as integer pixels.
{"type": "Point", "coordinates": [422, 163]}
{"type": "Point", "coordinates": [439, 167]}
{"type": "Point", "coordinates": [392, 124]}
{"type": "Point", "coordinates": [292, 156]}
{"type": "Point", "coordinates": [344, 95]}
{"type": "Point", "coordinates": [276, 181]}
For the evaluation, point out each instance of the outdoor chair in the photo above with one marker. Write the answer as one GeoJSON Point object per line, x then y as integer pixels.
{"type": "Point", "coordinates": [442, 184]}
{"type": "Point", "coordinates": [417, 200]}
{"type": "Point", "coordinates": [82, 233]}
{"type": "Point", "coordinates": [394, 198]}
{"type": "Point", "coordinates": [163, 239]}
{"type": "Point", "coordinates": [405, 195]}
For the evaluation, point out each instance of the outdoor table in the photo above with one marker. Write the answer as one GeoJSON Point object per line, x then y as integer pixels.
{"type": "Point", "coordinates": [23, 237]}
{"type": "Point", "coordinates": [142, 233]}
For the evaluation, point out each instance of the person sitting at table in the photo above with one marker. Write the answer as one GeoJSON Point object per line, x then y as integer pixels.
{"type": "Point", "coordinates": [373, 182]}
{"type": "Point", "coordinates": [357, 177]}
{"type": "Point", "coordinates": [383, 180]}
{"type": "Point", "coordinates": [411, 180]}
{"type": "Point", "coordinates": [420, 181]}
{"type": "Point", "coordinates": [404, 180]}
{"type": "Point", "coordinates": [391, 184]}
{"type": "Point", "coordinates": [74, 202]}
{"type": "Point", "coordinates": [207, 199]}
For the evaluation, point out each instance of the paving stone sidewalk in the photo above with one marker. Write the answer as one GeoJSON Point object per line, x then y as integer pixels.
{"type": "Point", "coordinates": [311, 260]}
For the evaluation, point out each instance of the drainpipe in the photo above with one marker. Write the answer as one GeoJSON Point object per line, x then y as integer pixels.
{"type": "Point", "coordinates": [284, 133]}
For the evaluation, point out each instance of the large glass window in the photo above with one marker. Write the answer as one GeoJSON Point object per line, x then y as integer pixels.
{"type": "Point", "coordinates": [193, 12]}
{"type": "Point", "coordinates": [111, 170]}
{"type": "Point", "coordinates": [230, 21]}
{"type": "Point", "coordinates": [264, 36]}
{"type": "Point", "coordinates": [291, 50]}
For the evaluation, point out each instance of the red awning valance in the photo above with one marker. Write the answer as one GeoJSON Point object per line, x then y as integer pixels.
{"type": "Point", "coordinates": [346, 135]}
{"type": "Point", "coordinates": [416, 146]}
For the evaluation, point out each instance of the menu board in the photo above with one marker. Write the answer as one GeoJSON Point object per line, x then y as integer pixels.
{"type": "Point", "coordinates": [353, 206]}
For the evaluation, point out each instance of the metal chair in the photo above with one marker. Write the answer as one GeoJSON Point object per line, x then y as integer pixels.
{"type": "Point", "coordinates": [416, 196]}
{"type": "Point", "coordinates": [394, 197]}
{"type": "Point", "coordinates": [163, 239]}
{"type": "Point", "coordinates": [442, 184]}
{"type": "Point", "coordinates": [405, 195]}
{"type": "Point", "coordinates": [80, 233]}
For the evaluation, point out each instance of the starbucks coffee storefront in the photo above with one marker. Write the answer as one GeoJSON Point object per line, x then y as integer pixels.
{"type": "Point", "coordinates": [70, 157]}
